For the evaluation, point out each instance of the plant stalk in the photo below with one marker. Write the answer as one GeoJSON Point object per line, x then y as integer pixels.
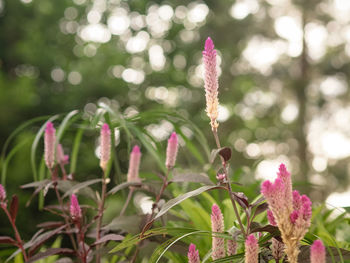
{"type": "Point", "coordinates": [100, 216]}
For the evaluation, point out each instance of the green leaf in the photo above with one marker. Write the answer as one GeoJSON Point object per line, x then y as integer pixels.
{"type": "Point", "coordinates": [75, 150]}
{"type": "Point", "coordinates": [173, 202]}
{"type": "Point", "coordinates": [64, 124]}
{"type": "Point", "coordinates": [69, 187]}
{"type": "Point", "coordinates": [122, 186]}
{"type": "Point", "coordinates": [192, 177]}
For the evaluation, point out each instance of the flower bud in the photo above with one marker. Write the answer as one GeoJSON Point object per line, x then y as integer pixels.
{"type": "Point", "coordinates": [171, 151]}
{"type": "Point", "coordinates": [318, 252]}
{"type": "Point", "coordinates": [49, 144]}
{"type": "Point", "coordinates": [134, 165]}
{"type": "Point", "coordinates": [105, 146]}
{"type": "Point", "coordinates": [193, 254]}
{"type": "Point", "coordinates": [251, 249]}
{"type": "Point", "coordinates": [2, 193]}
{"type": "Point", "coordinates": [75, 210]}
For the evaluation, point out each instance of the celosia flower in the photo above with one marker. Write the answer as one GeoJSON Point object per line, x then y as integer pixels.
{"type": "Point", "coordinates": [231, 247]}
{"type": "Point", "coordinates": [193, 254]}
{"type": "Point", "coordinates": [251, 249]}
{"type": "Point", "coordinates": [171, 150]}
{"type": "Point", "coordinates": [75, 211]}
{"type": "Point", "coordinates": [49, 143]}
{"type": "Point", "coordinates": [277, 249]}
{"type": "Point", "coordinates": [134, 165]}
{"type": "Point", "coordinates": [290, 211]}
{"type": "Point", "coordinates": [2, 193]}
{"type": "Point", "coordinates": [217, 225]}
{"type": "Point", "coordinates": [211, 82]}
{"type": "Point", "coordinates": [271, 218]}
{"type": "Point", "coordinates": [61, 157]}
{"type": "Point", "coordinates": [105, 146]}
{"type": "Point", "coordinates": [318, 252]}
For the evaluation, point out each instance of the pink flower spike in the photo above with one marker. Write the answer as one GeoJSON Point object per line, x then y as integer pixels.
{"type": "Point", "coordinates": [49, 144]}
{"type": "Point", "coordinates": [251, 249]}
{"type": "Point", "coordinates": [75, 210]}
{"type": "Point", "coordinates": [266, 188]}
{"type": "Point", "coordinates": [2, 193]}
{"type": "Point", "coordinates": [61, 157]}
{"type": "Point", "coordinates": [193, 254]}
{"type": "Point", "coordinates": [271, 218]}
{"type": "Point", "coordinates": [217, 225]}
{"type": "Point", "coordinates": [105, 146]}
{"type": "Point", "coordinates": [134, 165]}
{"type": "Point", "coordinates": [211, 84]}
{"type": "Point", "coordinates": [171, 151]}
{"type": "Point", "coordinates": [318, 252]}
{"type": "Point", "coordinates": [284, 175]}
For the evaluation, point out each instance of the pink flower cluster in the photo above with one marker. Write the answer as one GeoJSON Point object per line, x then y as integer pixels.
{"type": "Point", "coordinates": [193, 254]}
{"type": "Point", "coordinates": [318, 252]}
{"type": "Point", "coordinates": [171, 151]}
{"type": "Point", "coordinates": [289, 210]}
{"type": "Point", "coordinates": [217, 225]}
{"type": "Point", "coordinates": [251, 249]}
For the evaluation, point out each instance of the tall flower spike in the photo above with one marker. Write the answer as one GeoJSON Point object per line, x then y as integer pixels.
{"type": "Point", "coordinates": [217, 225]}
{"type": "Point", "coordinates": [251, 249]}
{"type": "Point", "coordinates": [211, 84]}
{"type": "Point", "coordinates": [105, 146]}
{"type": "Point", "coordinates": [193, 254]}
{"type": "Point", "coordinates": [134, 165]}
{"type": "Point", "coordinates": [2, 193]}
{"type": "Point", "coordinates": [75, 211]}
{"type": "Point", "coordinates": [171, 151]}
{"type": "Point", "coordinates": [318, 252]}
{"type": "Point", "coordinates": [49, 144]}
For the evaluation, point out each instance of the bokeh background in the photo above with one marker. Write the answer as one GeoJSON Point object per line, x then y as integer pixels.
{"type": "Point", "coordinates": [284, 79]}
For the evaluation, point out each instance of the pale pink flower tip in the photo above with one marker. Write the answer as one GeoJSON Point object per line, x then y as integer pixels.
{"type": "Point", "coordinates": [2, 193]}
{"type": "Point", "coordinates": [318, 252]}
{"type": "Point", "coordinates": [75, 210]}
{"type": "Point", "coordinates": [171, 151]}
{"type": "Point", "coordinates": [193, 254]}
{"type": "Point", "coordinates": [49, 144]}
{"type": "Point", "coordinates": [216, 211]}
{"type": "Point", "coordinates": [251, 249]}
{"type": "Point", "coordinates": [217, 225]}
{"type": "Point", "coordinates": [105, 146]}
{"type": "Point", "coordinates": [209, 45]}
{"type": "Point", "coordinates": [136, 149]}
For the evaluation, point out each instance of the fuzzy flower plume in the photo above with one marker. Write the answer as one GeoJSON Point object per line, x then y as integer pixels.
{"type": "Point", "coordinates": [277, 249]}
{"type": "Point", "coordinates": [2, 193]}
{"type": "Point", "coordinates": [171, 150]}
{"type": "Point", "coordinates": [75, 211]}
{"type": "Point", "coordinates": [288, 210]}
{"type": "Point", "coordinates": [251, 249]}
{"type": "Point", "coordinates": [134, 165]}
{"type": "Point", "coordinates": [105, 146]}
{"type": "Point", "coordinates": [61, 157]}
{"type": "Point", "coordinates": [49, 144]}
{"type": "Point", "coordinates": [211, 84]}
{"type": "Point", "coordinates": [318, 252]}
{"type": "Point", "coordinates": [193, 254]}
{"type": "Point", "coordinates": [217, 225]}
{"type": "Point", "coordinates": [231, 247]}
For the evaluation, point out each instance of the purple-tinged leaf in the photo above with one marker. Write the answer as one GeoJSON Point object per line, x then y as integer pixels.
{"type": "Point", "coordinates": [260, 209]}
{"type": "Point", "coordinates": [50, 224]}
{"type": "Point", "coordinates": [123, 186]}
{"type": "Point", "coordinates": [70, 187]}
{"type": "Point", "coordinates": [51, 252]}
{"type": "Point", "coordinates": [224, 152]}
{"type": "Point", "coordinates": [109, 237]}
{"type": "Point", "coordinates": [14, 207]}
{"type": "Point", "coordinates": [7, 240]}
{"type": "Point", "coordinates": [257, 202]}
{"type": "Point", "coordinates": [241, 199]}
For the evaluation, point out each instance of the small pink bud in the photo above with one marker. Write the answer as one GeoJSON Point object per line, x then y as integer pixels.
{"type": "Point", "coordinates": [217, 225]}
{"type": "Point", "coordinates": [318, 252]}
{"type": "Point", "coordinates": [49, 143]}
{"type": "Point", "coordinates": [75, 210]}
{"type": "Point", "coordinates": [220, 177]}
{"type": "Point", "coordinates": [171, 151]}
{"type": "Point", "coordinates": [251, 249]}
{"type": "Point", "coordinates": [2, 193]}
{"type": "Point", "coordinates": [134, 165]}
{"type": "Point", "coordinates": [271, 218]}
{"type": "Point", "coordinates": [105, 146]}
{"type": "Point", "coordinates": [193, 254]}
